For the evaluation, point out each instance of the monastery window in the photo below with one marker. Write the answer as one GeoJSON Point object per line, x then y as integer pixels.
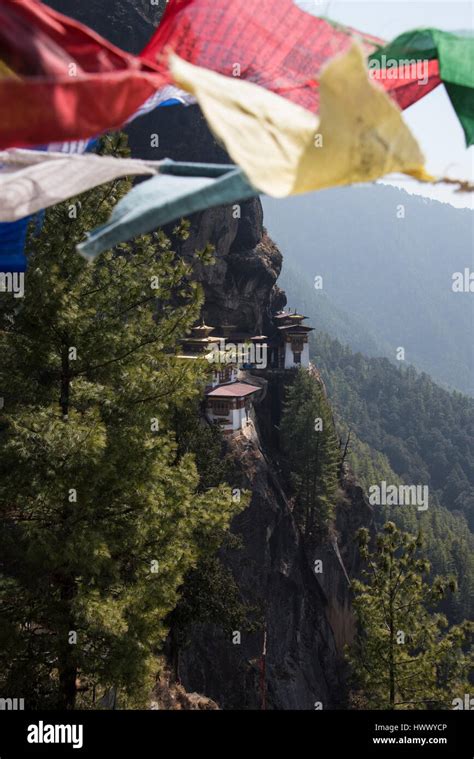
{"type": "Point", "coordinates": [226, 375]}
{"type": "Point", "coordinates": [220, 408]}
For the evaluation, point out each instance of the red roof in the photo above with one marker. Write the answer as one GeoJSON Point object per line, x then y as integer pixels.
{"type": "Point", "coordinates": [233, 390]}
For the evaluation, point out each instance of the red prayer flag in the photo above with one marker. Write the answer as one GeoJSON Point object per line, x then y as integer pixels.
{"type": "Point", "coordinates": [272, 43]}
{"type": "Point", "coordinates": [405, 88]}
{"type": "Point", "coordinates": [68, 83]}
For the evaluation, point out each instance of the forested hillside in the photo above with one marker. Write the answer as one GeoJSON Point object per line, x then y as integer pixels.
{"type": "Point", "coordinates": [406, 429]}
{"type": "Point", "coordinates": [326, 316]}
{"type": "Point", "coordinates": [425, 432]}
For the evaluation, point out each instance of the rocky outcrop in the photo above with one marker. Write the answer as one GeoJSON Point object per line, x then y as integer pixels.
{"type": "Point", "coordinates": [304, 607]}
{"type": "Point", "coordinates": [302, 666]}
{"type": "Point", "coordinates": [240, 287]}
{"type": "Point", "coordinates": [340, 558]}
{"type": "Point", "coordinates": [171, 696]}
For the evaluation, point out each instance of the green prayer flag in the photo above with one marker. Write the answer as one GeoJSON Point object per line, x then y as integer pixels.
{"type": "Point", "coordinates": [455, 54]}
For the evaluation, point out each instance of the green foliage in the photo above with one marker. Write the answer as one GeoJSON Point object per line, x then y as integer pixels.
{"type": "Point", "coordinates": [311, 447]}
{"type": "Point", "coordinates": [425, 432]}
{"type": "Point", "coordinates": [102, 517]}
{"type": "Point", "coordinates": [402, 426]}
{"type": "Point", "coordinates": [404, 655]}
{"type": "Point", "coordinates": [210, 594]}
{"type": "Point", "coordinates": [371, 465]}
{"type": "Point", "coordinates": [449, 547]}
{"type": "Point", "coordinates": [206, 442]}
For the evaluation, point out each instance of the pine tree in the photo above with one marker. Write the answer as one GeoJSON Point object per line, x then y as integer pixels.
{"type": "Point", "coordinates": [211, 595]}
{"type": "Point", "coordinates": [101, 516]}
{"type": "Point", "coordinates": [312, 450]}
{"type": "Point", "coordinates": [404, 655]}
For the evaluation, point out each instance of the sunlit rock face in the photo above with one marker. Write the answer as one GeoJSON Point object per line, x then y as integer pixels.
{"type": "Point", "coordinates": [240, 285]}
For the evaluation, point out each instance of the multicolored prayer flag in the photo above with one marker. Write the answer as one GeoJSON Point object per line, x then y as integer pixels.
{"type": "Point", "coordinates": [285, 149]}
{"type": "Point", "coordinates": [451, 53]}
{"type": "Point", "coordinates": [12, 246]}
{"type": "Point", "coordinates": [31, 180]}
{"type": "Point", "coordinates": [300, 102]}
{"type": "Point", "coordinates": [272, 43]}
{"type": "Point", "coordinates": [180, 189]}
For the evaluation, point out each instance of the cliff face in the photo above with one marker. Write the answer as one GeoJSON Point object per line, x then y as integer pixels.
{"type": "Point", "coordinates": [306, 616]}
{"type": "Point", "coordinates": [127, 23]}
{"type": "Point", "coordinates": [302, 664]}
{"type": "Point", "coordinates": [240, 287]}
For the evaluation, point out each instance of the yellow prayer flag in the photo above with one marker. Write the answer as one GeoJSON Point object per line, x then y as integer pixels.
{"type": "Point", "coordinates": [284, 149]}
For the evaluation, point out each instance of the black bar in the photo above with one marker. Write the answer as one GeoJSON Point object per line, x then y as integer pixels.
{"type": "Point", "coordinates": [314, 734]}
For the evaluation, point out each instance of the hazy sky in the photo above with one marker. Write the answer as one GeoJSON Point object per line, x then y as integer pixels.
{"type": "Point", "coordinates": [432, 119]}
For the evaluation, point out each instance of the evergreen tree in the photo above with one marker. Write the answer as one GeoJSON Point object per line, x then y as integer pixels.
{"type": "Point", "coordinates": [311, 446]}
{"type": "Point", "coordinates": [101, 515]}
{"type": "Point", "coordinates": [210, 593]}
{"type": "Point", "coordinates": [404, 655]}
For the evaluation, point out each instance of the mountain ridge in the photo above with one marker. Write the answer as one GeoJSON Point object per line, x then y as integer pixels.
{"type": "Point", "coordinates": [391, 275]}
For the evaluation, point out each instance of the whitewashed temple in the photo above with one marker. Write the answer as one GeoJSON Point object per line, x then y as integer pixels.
{"type": "Point", "coordinates": [230, 393]}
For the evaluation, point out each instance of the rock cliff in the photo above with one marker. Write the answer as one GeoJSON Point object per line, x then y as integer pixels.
{"type": "Point", "coordinates": [273, 573]}
{"type": "Point", "coordinates": [126, 23]}
{"type": "Point", "coordinates": [240, 288]}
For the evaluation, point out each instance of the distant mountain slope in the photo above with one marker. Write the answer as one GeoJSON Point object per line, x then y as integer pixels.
{"type": "Point", "coordinates": [325, 315]}
{"type": "Point", "coordinates": [426, 433]}
{"type": "Point", "coordinates": [448, 541]}
{"type": "Point", "coordinates": [406, 429]}
{"type": "Point", "coordinates": [391, 276]}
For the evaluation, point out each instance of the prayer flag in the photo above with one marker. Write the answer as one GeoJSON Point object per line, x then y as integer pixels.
{"type": "Point", "coordinates": [31, 180]}
{"type": "Point", "coordinates": [70, 83]}
{"type": "Point", "coordinates": [180, 189]}
{"type": "Point", "coordinates": [272, 43]}
{"type": "Point", "coordinates": [284, 149]}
